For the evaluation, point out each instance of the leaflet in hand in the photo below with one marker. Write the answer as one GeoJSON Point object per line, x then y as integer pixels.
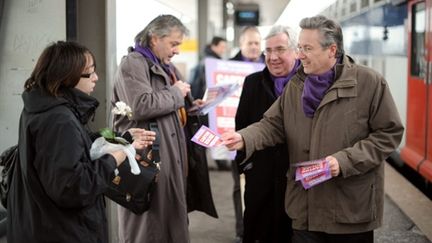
{"type": "Point", "coordinates": [312, 173]}
{"type": "Point", "coordinates": [214, 96]}
{"type": "Point", "coordinates": [206, 137]}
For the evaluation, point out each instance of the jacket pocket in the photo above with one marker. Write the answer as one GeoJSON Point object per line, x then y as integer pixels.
{"type": "Point", "coordinates": [357, 126]}
{"type": "Point", "coordinates": [355, 199]}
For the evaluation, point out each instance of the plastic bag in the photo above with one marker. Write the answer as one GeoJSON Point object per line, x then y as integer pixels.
{"type": "Point", "coordinates": [101, 147]}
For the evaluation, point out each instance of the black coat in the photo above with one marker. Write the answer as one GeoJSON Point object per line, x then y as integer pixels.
{"type": "Point", "coordinates": [198, 79]}
{"type": "Point", "coordinates": [56, 193]}
{"type": "Point", "coordinates": [264, 216]}
{"type": "Point", "coordinates": [238, 57]}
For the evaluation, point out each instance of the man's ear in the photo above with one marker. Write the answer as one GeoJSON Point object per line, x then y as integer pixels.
{"type": "Point", "coordinates": [332, 50]}
{"type": "Point", "coordinates": [153, 40]}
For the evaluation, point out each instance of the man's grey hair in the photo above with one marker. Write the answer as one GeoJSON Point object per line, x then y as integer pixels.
{"type": "Point", "coordinates": [330, 30]}
{"type": "Point", "coordinates": [161, 26]}
{"type": "Point", "coordinates": [280, 29]}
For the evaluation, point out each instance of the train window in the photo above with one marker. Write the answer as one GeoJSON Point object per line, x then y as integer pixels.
{"type": "Point", "coordinates": [418, 28]}
{"type": "Point", "coordinates": [344, 7]}
{"type": "Point", "coordinates": [353, 6]}
{"type": "Point", "coordinates": [364, 3]}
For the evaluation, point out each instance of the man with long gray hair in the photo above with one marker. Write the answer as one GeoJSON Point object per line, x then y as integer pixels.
{"type": "Point", "coordinates": [341, 114]}
{"type": "Point", "coordinates": [150, 84]}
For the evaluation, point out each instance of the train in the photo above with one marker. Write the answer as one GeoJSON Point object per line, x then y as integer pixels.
{"type": "Point", "coordinates": [395, 38]}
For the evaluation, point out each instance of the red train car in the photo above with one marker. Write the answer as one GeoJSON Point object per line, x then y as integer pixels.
{"type": "Point", "coordinates": [417, 151]}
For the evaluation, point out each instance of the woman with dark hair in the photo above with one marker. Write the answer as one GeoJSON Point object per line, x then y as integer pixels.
{"type": "Point", "coordinates": [56, 194]}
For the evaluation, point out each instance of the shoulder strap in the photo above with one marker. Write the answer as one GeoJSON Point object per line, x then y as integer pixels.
{"type": "Point", "coordinates": [153, 126]}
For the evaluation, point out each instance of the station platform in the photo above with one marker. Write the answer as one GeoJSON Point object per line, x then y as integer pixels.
{"type": "Point", "coordinates": [407, 213]}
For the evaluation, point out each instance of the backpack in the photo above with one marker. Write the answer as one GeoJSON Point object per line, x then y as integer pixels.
{"type": "Point", "coordinates": [8, 159]}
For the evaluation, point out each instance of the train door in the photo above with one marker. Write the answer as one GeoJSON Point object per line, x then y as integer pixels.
{"type": "Point", "coordinates": [417, 152]}
{"type": "Point", "coordinates": [425, 167]}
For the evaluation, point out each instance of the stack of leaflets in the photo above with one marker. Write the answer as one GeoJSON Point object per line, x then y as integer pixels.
{"type": "Point", "coordinates": [313, 172]}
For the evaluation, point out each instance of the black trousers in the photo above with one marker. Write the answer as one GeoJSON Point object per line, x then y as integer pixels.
{"type": "Point", "coordinates": [303, 236]}
{"type": "Point", "coordinates": [238, 207]}
{"type": "Point", "coordinates": [265, 219]}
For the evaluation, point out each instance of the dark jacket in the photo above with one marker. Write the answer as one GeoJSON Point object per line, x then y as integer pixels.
{"type": "Point", "coordinates": [208, 52]}
{"type": "Point", "coordinates": [198, 80]}
{"type": "Point", "coordinates": [56, 193]}
{"type": "Point", "coordinates": [258, 92]}
{"type": "Point", "coordinates": [357, 123]}
{"type": "Point", "coordinates": [264, 216]}
{"type": "Point", "coordinates": [239, 57]}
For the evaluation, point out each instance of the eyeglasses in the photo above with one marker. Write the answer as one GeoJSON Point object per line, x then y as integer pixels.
{"type": "Point", "coordinates": [305, 50]}
{"type": "Point", "coordinates": [277, 51]}
{"type": "Point", "coordinates": [87, 75]}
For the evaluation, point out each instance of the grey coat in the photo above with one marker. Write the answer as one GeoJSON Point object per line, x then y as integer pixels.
{"type": "Point", "coordinates": [357, 122]}
{"type": "Point", "coordinates": [146, 88]}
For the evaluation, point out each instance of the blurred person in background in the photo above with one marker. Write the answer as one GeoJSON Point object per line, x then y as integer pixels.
{"type": "Point", "coordinates": [250, 46]}
{"type": "Point", "coordinates": [216, 49]}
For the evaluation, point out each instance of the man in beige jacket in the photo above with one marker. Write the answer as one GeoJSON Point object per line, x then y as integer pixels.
{"type": "Point", "coordinates": [336, 110]}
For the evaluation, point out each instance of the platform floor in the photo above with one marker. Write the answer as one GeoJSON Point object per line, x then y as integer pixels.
{"type": "Point", "coordinates": [409, 222]}
{"type": "Point", "coordinates": [407, 213]}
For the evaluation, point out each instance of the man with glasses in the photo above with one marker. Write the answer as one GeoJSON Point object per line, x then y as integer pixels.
{"type": "Point", "coordinates": [264, 217]}
{"type": "Point", "coordinates": [342, 113]}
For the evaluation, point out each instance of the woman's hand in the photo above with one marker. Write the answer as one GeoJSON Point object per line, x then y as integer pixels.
{"type": "Point", "coordinates": [119, 156]}
{"type": "Point", "coordinates": [141, 137]}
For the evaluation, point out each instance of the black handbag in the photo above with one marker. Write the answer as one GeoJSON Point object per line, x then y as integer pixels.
{"type": "Point", "coordinates": [134, 192]}
{"type": "Point", "coordinates": [8, 159]}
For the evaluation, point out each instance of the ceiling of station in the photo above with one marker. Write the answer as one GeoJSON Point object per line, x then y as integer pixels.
{"type": "Point", "coordinates": [269, 10]}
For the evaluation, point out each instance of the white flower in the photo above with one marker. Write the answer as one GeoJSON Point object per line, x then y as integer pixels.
{"type": "Point", "coordinates": [122, 109]}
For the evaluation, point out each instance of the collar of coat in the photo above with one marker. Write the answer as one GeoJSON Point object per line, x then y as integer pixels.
{"type": "Point", "coordinates": [157, 69]}
{"type": "Point", "coordinates": [344, 86]}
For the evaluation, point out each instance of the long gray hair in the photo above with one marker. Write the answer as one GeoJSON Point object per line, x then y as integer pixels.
{"type": "Point", "coordinates": [160, 26]}
{"type": "Point", "coordinates": [278, 29]}
{"type": "Point", "coordinates": [331, 31]}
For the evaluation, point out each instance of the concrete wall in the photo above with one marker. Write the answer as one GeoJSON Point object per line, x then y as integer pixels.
{"type": "Point", "coordinates": [27, 26]}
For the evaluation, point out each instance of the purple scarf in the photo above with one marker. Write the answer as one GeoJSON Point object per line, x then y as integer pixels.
{"type": "Point", "coordinates": [315, 87]}
{"type": "Point", "coordinates": [146, 52]}
{"type": "Point", "coordinates": [280, 82]}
